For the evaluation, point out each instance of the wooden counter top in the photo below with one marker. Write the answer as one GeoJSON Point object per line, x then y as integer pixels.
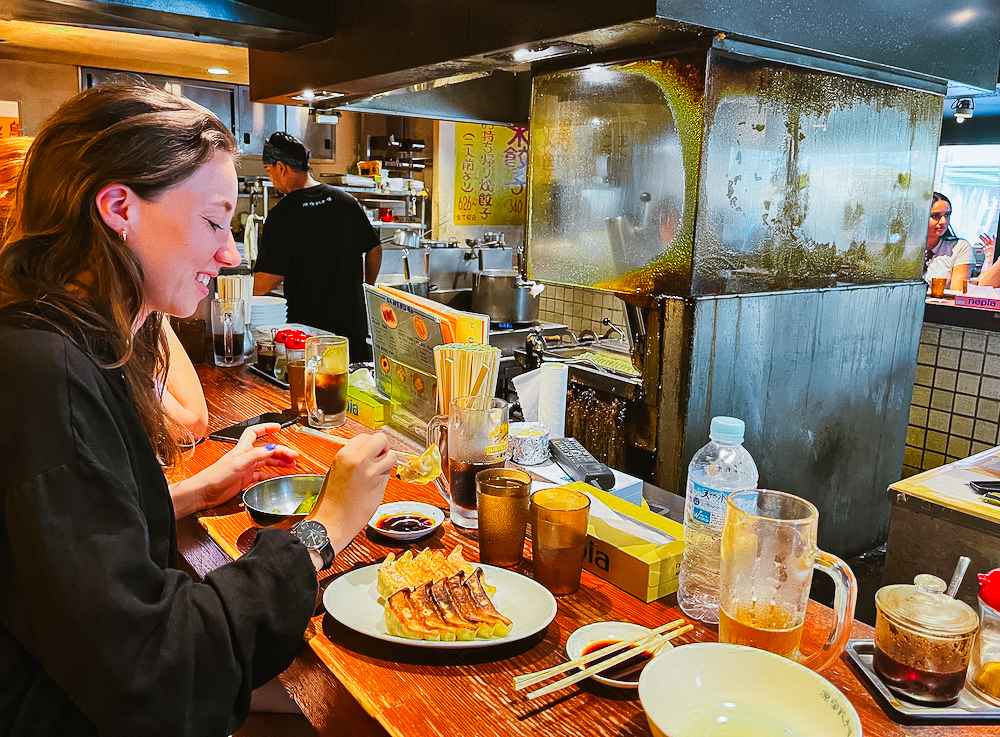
{"type": "Point", "coordinates": [370, 687]}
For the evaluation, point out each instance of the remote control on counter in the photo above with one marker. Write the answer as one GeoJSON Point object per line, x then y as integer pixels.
{"type": "Point", "coordinates": [578, 462]}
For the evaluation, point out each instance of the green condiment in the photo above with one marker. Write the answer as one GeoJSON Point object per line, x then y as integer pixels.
{"type": "Point", "coordinates": [307, 504]}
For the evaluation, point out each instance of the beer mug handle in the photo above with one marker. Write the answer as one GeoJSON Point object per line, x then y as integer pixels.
{"type": "Point", "coordinates": [436, 428]}
{"type": "Point", "coordinates": [845, 599]}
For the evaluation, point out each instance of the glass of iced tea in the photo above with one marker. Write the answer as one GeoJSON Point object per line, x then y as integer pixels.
{"type": "Point", "coordinates": [768, 556]}
{"type": "Point", "coordinates": [559, 518]}
{"type": "Point", "coordinates": [326, 380]}
{"type": "Point", "coordinates": [502, 501]}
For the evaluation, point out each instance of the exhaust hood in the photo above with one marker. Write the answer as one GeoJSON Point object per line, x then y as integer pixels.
{"type": "Point", "coordinates": [398, 47]}
{"type": "Point", "coordinates": [468, 59]}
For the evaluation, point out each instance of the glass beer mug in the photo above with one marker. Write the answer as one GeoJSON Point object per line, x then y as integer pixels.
{"type": "Point", "coordinates": [768, 556]}
{"type": "Point", "coordinates": [475, 431]}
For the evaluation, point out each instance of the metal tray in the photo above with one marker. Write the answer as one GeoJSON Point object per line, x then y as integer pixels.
{"type": "Point", "coordinates": [969, 709]}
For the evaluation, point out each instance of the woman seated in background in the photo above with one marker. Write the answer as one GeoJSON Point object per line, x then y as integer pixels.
{"type": "Point", "coordinates": [947, 256]}
{"type": "Point", "coordinates": [123, 217]}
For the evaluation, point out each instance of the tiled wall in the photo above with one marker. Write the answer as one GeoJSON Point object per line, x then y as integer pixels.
{"type": "Point", "coordinates": [956, 397]}
{"type": "Point", "coordinates": [580, 309]}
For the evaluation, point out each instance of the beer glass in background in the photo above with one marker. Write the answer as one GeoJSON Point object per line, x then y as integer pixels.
{"type": "Point", "coordinates": [559, 518]}
{"type": "Point", "coordinates": [768, 556]}
{"type": "Point", "coordinates": [502, 508]}
{"type": "Point", "coordinates": [475, 439]}
{"type": "Point", "coordinates": [326, 380]}
{"type": "Point", "coordinates": [228, 332]}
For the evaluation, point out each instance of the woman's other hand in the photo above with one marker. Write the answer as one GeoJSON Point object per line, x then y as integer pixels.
{"type": "Point", "coordinates": [989, 244]}
{"type": "Point", "coordinates": [229, 475]}
{"type": "Point", "coordinates": [354, 487]}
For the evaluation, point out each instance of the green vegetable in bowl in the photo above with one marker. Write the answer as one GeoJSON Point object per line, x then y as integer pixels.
{"type": "Point", "coordinates": [307, 504]}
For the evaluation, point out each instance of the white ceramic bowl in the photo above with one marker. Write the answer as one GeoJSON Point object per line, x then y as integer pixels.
{"type": "Point", "coordinates": [716, 688]}
{"type": "Point", "coordinates": [392, 509]}
{"type": "Point", "coordinates": [577, 642]}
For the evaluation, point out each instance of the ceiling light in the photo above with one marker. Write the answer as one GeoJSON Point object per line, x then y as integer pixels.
{"type": "Point", "coordinates": [218, 71]}
{"type": "Point", "coordinates": [316, 95]}
{"type": "Point", "coordinates": [544, 50]}
{"type": "Point", "coordinates": [963, 109]}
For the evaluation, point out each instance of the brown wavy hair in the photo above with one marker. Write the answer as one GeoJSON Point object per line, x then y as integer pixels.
{"type": "Point", "coordinates": [63, 264]}
{"type": "Point", "coordinates": [12, 154]}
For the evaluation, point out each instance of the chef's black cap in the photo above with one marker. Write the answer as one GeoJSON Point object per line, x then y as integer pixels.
{"type": "Point", "coordinates": [287, 148]}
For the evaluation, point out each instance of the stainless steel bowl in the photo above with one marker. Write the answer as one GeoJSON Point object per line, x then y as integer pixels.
{"type": "Point", "coordinates": [274, 501]}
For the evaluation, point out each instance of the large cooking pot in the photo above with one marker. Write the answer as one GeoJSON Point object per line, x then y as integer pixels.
{"type": "Point", "coordinates": [418, 285]}
{"type": "Point", "coordinates": [504, 296]}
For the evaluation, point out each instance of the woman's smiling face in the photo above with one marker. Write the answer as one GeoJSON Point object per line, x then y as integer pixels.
{"type": "Point", "coordinates": [938, 224]}
{"type": "Point", "coordinates": [182, 238]}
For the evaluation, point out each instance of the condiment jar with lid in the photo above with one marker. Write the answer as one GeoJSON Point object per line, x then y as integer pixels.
{"type": "Point", "coordinates": [923, 640]}
{"type": "Point", "coordinates": [984, 671]}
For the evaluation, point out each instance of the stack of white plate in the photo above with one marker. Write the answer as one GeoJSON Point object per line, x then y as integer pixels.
{"type": "Point", "coordinates": [266, 311]}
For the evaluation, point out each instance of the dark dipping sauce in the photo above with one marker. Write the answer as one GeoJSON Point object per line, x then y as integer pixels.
{"type": "Point", "coordinates": [627, 671]}
{"type": "Point", "coordinates": [411, 522]}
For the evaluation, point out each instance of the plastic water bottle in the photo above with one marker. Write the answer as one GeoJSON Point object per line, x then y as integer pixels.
{"type": "Point", "coordinates": [716, 471]}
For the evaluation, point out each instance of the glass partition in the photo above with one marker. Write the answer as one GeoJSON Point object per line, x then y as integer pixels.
{"type": "Point", "coordinates": [811, 179]}
{"type": "Point", "coordinates": [711, 173]}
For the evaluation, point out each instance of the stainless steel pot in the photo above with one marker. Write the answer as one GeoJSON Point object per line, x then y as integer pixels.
{"type": "Point", "coordinates": [504, 296]}
{"type": "Point", "coordinates": [418, 285]}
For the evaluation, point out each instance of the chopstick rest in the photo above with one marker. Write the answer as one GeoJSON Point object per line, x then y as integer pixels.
{"type": "Point", "coordinates": [656, 637]}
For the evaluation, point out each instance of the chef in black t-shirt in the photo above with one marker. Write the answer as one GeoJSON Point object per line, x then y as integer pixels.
{"type": "Point", "coordinates": [318, 242]}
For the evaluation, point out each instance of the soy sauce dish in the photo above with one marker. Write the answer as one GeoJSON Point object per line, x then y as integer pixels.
{"type": "Point", "coordinates": [406, 520]}
{"type": "Point", "coordinates": [593, 637]}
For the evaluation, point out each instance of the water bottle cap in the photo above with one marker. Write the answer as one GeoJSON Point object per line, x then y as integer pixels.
{"type": "Point", "coordinates": [727, 429]}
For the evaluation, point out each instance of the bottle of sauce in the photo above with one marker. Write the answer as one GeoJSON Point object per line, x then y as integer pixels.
{"type": "Point", "coordinates": [984, 672]}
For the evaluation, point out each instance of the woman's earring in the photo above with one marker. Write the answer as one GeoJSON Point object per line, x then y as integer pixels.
{"type": "Point", "coordinates": [122, 234]}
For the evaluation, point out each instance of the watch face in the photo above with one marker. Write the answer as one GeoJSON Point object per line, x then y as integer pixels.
{"type": "Point", "coordinates": [311, 533]}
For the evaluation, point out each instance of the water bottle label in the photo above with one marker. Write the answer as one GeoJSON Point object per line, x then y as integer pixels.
{"type": "Point", "coordinates": [708, 506]}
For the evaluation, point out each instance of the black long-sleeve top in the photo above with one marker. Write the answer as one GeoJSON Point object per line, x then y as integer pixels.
{"type": "Point", "coordinates": [100, 633]}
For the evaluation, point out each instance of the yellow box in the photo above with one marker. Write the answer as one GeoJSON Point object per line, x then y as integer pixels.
{"type": "Point", "coordinates": [369, 410]}
{"type": "Point", "coordinates": [646, 570]}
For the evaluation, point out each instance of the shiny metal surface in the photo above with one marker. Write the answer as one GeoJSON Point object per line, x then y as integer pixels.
{"type": "Point", "coordinates": [823, 380]}
{"type": "Point", "coordinates": [273, 501]}
{"type": "Point", "coordinates": [504, 296]}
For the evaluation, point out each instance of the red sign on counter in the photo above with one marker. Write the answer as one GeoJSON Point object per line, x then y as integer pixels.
{"type": "Point", "coordinates": [983, 303]}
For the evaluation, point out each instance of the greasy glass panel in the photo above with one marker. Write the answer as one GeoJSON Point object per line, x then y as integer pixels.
{"type": "Point", "coordinates": [613, 175]}
{"type": "Point", "coordinates": [810, 179]}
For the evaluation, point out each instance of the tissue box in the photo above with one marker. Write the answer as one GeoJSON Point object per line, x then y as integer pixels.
{"type": "Point", "coordinates": [646, 570]}
{"type": "Point", "coordinates": [369, 410]}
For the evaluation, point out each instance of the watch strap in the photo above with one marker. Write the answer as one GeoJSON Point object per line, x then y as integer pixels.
{"type": "Point", "coordinates": [327, 553]}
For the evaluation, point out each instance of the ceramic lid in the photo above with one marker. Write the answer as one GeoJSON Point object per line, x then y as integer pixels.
{"type": "Point", "coordinates": [925, 608]}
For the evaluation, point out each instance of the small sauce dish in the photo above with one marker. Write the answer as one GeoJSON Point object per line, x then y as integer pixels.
{"type": "Point", "coordinates": [594, 636]}
{"type": "Point", "coordinates": [406, 520]}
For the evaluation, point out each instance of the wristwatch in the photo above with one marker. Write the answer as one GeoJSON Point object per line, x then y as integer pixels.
{"type": "Point", "coordinates": [313, 536]}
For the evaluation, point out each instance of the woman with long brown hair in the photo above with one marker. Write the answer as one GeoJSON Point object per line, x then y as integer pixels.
{"type": "Point", "coordinates": [122, 217]}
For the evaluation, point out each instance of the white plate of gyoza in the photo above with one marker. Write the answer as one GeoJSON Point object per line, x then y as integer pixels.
{"type": "Point", "coordinates": [439, 601]}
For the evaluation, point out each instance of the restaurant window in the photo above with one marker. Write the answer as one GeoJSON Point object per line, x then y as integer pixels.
{"type": "Point", "coordinates": [969, 176]}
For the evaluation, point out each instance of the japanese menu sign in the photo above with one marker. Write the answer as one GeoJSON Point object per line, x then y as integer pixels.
{"type": "Point", "coordinates": [491, 165]}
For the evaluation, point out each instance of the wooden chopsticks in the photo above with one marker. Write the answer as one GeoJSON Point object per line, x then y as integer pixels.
{"type": "Point", "coordinates": [401, 456]}
{"type": "Point", "coordinates": [656, 637]}
{"type": "Point", "coordinates": [319, 434]}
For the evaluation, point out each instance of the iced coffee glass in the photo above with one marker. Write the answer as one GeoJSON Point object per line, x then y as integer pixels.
{"type": "Point", "coordinates": [326, 380]}
{"type": "Point", "coordinates": [228, 331]}
{"type": "Point", "coordinates": [768, 556]}
{"type": "Point", "coordinates": [559, 518]}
